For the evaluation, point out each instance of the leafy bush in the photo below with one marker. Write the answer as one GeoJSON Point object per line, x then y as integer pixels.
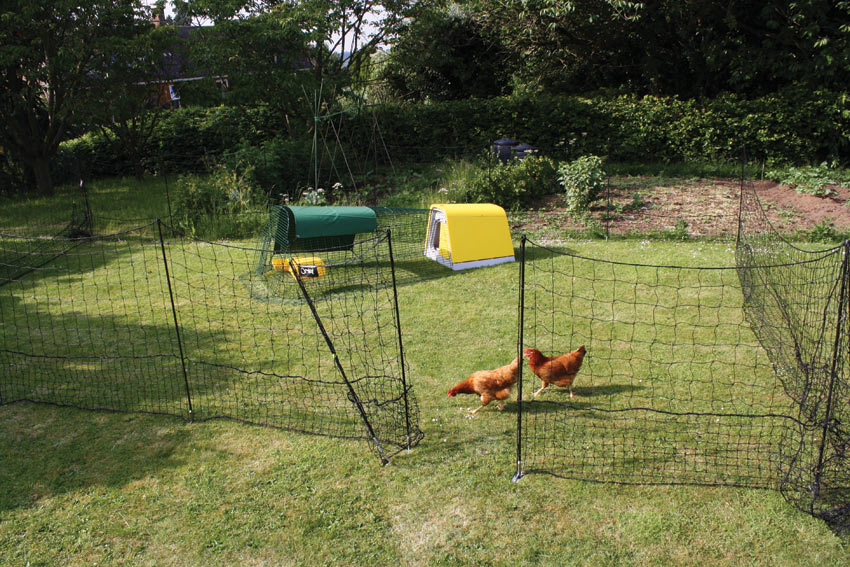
{"type": "Point", "coordinates": [786, 128]}
{"type": "Point", "coordinates": [185, 140]}
{"type": "Point", "coordinates": [279, 167]}
{"type": "Point", "coordinates": [814, 180]}
{"type": "Point", "coordinates": [514, 184]}
{"type": "Point", "coordinates": [222, 204]}
{"type": "Point", "coordinates": [793, 126]}
{"type": "Point", "coordinates": [583, 180]}
{"type": "Point", "coordinates": [678, 232]}
{"type": "Point", "coordinates": [824, 231]}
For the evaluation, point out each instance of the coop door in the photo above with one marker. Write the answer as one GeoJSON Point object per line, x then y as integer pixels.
{"type": "Point", "coordinates": [438, 246]}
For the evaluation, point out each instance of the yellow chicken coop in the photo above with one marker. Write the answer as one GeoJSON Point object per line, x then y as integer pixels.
{"type": "Point", "coordinates": [462, 236]}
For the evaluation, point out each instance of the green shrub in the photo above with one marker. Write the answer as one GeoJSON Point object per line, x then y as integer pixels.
{"type": "Point", "coordinates": [824, 231]}
{"type": "Point", "coordinates": [222, 204]}
{"type": "Point", "coordinates": [583, 180]}
{"type": "Point", "coordinates": [793, 126]}
{"type": "Point", "coordinates": [814, 180]}
{"type": "Point", "coordinates": [514, 184]}
{"type": "Point", "coordinates": [279, 167]}
{"type": "Point", "coordinates": [678, 232]}
{"type": "Point", "coordinates": [185, 140]}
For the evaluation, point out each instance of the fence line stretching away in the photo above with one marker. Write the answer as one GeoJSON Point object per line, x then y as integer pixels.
{"type": "Point", "coordinates": [731, 376]}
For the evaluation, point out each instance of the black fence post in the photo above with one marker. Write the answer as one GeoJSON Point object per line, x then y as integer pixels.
{"type": "Point", "coordinates": [88, 216]}
{"type": "Point", "coordinates": [836, 354]}
{"type": "Point", "coordinates": [608, 208]}
{"type": "Point", "coordinates": [520, 338]}
{"type": "Point", "coordinates": [400, 344]}
{"type": "Point", "coordinates": [168, 202]}
{"type": "Point", "coordinates": [741, 196]}
{"type": "Point", "coordinates": [351, 392]}
{"type": "Point", "coordinates": [176, 324]}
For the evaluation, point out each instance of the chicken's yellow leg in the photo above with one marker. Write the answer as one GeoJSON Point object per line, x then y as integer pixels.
{"type": "Point", "coordinates": [540, 390]}
{"type": "Point", "coordinates": [485, 399]}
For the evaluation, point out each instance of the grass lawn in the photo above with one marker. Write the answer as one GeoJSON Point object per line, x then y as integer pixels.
{"type": "Point", "coordinates": [79, 487]}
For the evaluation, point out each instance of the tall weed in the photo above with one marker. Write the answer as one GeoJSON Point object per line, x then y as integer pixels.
{"type": "Point", "coordinates": [222, 204]}
{"type": "Point", "coordinates": [583, 180]}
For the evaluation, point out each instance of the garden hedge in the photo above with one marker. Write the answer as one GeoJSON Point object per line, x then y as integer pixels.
{"type": "Point", "coordinates": [791, 127]}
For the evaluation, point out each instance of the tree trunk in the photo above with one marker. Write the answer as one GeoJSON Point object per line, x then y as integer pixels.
{"type": "Point", "coordinates": [43, 179]}
{"type": "Point", "coordinates": [138, 168]}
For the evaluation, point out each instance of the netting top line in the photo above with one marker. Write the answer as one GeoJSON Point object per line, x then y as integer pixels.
{"type": "Point", "coordinates": [152, 219]}
{"type": "Point", "coordinates": [825, 254]}
{"type": "Point", "coordinates": [261, 372]}
{"type": "Point", "coordinates": [777, 234]}
{"type": "Point", "coordinates": [83, 239]}
{"type": "Point", "coordinates": [677, 413]}
{"type": "Point", "coordinates": [373, 241]}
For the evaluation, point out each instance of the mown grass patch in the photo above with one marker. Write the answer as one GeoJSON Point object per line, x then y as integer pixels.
{"type": "Point", "coordinates": [79, 487]}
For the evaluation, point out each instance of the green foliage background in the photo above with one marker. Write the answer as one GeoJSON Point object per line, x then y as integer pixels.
{"type": "Point", "coordinates": [794, 127]}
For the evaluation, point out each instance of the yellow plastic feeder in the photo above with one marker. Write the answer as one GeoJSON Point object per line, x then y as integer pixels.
{"type": "Point", "coordinates": [309, 267]}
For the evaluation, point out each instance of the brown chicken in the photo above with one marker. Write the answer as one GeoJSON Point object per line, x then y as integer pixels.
{"type": "Point", "coordinates": [558, 370]}
{"type": "Point", "coordinates": [489, 384]}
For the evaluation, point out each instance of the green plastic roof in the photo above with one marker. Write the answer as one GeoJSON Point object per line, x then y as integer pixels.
{"type": "Point", "coordinates": [311, 222]}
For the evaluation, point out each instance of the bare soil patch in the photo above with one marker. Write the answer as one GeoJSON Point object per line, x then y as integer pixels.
{"type": "Point", "coordinates": [707, 207]}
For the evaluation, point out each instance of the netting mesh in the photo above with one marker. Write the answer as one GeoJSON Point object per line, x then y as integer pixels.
{"type": "Point", "coordinates": [797, 303]}
{"type": "Point", "coordinates": [674, 387]}
{"type": "Point", "coordinates": [95, 328]}
{"type": "Point", "coordinates": [28, 247]}
{"type": "Point", "coordinates": [716, 376]}
{"type": "Point", "coordinates": [86, 328]}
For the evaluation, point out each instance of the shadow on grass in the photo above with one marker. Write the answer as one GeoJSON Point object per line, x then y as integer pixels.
{"type": "Point", "coordinates": [50, 451]}
{"type": "Point", "coordinates": [553, 400]}
{"type": "Point", "coordinates": [103, 344]}
{"type": "Point", "coordinates": [28, 261]}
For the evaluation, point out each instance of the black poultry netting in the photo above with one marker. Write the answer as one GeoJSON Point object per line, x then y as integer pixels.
{"type": "Point", "coordinates": [32, 245]}
{"type": "Point", "coordinates": [135, 322]}
{"type": "Point", "coordinates": [733, 376]}
{"type": "Point", "coordinates": [797, 302]}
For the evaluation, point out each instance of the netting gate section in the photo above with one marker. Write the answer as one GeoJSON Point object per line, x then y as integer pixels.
{"type": "Point", "coordinates": [797, 301]}
{"type": "Point", "coordinates": [84, 325]}
{"type": "Point", "coordinates": [134, 322]}
{"type": "Point", "coordinates": [323, 357]}
{"type": "Point", "coordinates": [674, 388]}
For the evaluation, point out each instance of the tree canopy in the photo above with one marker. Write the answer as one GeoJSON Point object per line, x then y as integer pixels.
{"type": "Point", "coordinates": [665, 47]}
{"type": "Point", "coordinates": [51, 56]}
{"type": "Point", "coordinates": [265, 57]}
{"type": "Point", "coordinates": [448, 54]}
{"type": "Point", "coordinates": [342, 34]}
